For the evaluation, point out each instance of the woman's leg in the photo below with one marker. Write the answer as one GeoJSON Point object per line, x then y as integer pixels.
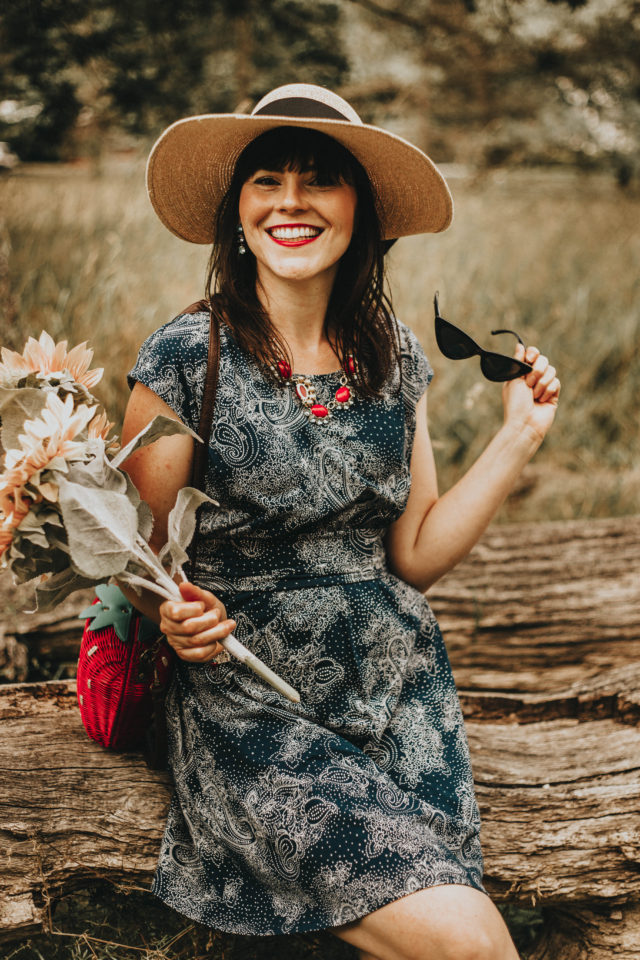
{"type": "Point", "coordinates": [449, 922]}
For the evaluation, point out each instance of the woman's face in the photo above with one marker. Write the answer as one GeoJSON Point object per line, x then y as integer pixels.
{"type": "Point", "coordinates": [296, 227]}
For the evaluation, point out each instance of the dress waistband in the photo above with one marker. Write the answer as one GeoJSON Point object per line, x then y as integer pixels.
{"type": "Point", "coordinates": [287, 579]}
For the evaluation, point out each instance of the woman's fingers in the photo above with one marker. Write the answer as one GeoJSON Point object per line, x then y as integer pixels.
{"type": "Point", "coordinates": [173, 610]}
{"type": "Point", "coordinates": [195, 627]}
{"type": "Point", "coordinates": [192, 592]}
{"type": "Point", "coordinates": [201, 646]}
{"type": "Point", "coordinates": [542, 379]}
{"type": "Point", "coordinates": [545, 379]}
{"type": "Point", "coordinates": [531, 355]}
{"type": "Point", "coordinates": [539, 365]}
{"type": "Point", "coordinates": [190, 625]}
{"type": "Point", "coordinates": [552, 392]}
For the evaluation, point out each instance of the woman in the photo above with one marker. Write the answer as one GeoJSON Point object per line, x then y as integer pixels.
{"type": "Point", "coordinates": [353, 810]}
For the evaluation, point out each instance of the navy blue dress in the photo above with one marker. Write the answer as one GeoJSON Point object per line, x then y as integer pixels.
{"type": "Point", "coordinates": [298, 817]}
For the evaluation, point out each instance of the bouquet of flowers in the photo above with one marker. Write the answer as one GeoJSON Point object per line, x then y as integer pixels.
{"type": "Point", "coordinates": [70, 517]}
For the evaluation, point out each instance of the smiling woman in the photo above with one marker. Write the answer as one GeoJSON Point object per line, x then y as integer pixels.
{"type": "Point", "coordinates": [294, 211]}
{"type": "Point", "coordinates": [294, 171]}
{"type": "Point", "coordinates": [352, 810]}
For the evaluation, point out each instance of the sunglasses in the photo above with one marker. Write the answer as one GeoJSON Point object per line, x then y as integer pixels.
{"type": "Point", "coordinates": [458, 345]}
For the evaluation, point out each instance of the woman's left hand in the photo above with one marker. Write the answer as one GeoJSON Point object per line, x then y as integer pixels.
{"type": "Point", "coordinates": [531, 401]}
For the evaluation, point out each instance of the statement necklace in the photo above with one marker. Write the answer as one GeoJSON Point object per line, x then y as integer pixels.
{"type": "Point", "coordinates": [306, 392]}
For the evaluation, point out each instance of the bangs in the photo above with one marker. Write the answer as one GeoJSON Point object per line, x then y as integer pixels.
{"type": "Point", "coordinates": [300, 150]}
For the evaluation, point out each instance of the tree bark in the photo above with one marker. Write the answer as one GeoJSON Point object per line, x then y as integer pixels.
{"type": "Point", "coordinates": [608, 934]}
{"type": "Point", "coordinates": [545, 654]}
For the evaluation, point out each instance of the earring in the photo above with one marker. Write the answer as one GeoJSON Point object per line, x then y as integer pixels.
{"type": "Point", "coordinates": [240, 239]}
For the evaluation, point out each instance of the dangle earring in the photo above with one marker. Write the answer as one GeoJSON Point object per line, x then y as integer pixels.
{"type": "Point", "coordinates": [240, 239]}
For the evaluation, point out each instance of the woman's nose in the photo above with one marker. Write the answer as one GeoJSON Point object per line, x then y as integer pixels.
{"type": "Point", "coordinates": [292, 196]}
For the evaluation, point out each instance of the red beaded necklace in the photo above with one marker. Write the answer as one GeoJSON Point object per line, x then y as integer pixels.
{"type": "Point", "coordinates": [306, 392]}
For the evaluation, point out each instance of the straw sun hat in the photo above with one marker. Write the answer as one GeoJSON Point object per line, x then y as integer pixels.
{"type": "Point", "coordinates": [191, 164]}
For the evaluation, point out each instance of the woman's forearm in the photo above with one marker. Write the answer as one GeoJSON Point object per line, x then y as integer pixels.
{"type": "Point", "coordinates": [458, 518]}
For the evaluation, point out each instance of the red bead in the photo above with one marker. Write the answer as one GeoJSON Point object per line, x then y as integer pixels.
{"type": "Point", "coordinates": [343, 394]}
{"type": "Point", "coordinates": [350, 365]}
{"type": "Point", "coordinates": [302, 391]}
{"type": "Point", "coordinates": [319, 410]}
{"type": "Point", "coordinates": [285, 369]}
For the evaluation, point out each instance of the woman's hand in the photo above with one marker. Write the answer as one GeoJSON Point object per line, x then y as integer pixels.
{"type": "Point", "coordinates": [532, 401]}
{"type": "Point", "coordinates": [195, 627]}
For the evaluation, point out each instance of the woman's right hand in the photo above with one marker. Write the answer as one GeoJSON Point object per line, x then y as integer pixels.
{"type": "Point", "coordinates": [195, 627]}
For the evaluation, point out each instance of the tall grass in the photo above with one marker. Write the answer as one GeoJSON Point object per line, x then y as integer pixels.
{"type": "Point", "coordinates": [554, 257]}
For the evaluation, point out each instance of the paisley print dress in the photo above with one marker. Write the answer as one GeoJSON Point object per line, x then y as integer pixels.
{"type": "Point", "coordinates": [298, 817]}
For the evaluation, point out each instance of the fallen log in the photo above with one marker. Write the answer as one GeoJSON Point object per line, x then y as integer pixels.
{"type": "Point", "coordinates": [555, 763]}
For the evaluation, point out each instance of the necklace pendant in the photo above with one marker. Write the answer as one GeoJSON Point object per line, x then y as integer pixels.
{"type": "Point", "coordinates": [284, 369]}
{"type": "Point", "coordinates": [305, 391]}
{"type": "Point", "coordinates": [319, 411]}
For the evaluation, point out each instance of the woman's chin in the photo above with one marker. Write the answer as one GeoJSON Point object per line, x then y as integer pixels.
{"type": "Point", "coordinates": [299, 270]}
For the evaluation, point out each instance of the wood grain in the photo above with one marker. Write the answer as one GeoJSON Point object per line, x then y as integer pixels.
{"type": "Point", "coordinates": [543, 627]}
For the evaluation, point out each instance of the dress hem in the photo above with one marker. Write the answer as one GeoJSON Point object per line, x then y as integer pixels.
{"type": "Point", "coordinates": [312, 927]}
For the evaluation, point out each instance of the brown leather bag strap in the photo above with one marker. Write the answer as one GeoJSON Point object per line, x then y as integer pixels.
{"type": "Point", "coordinates": [201, 452]}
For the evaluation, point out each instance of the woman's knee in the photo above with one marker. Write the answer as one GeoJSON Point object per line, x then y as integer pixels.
{"type": "Point", "coordinates": [473, 944]}
{"type": "Point", "coordinates": [458, 943]}
{"type": "Point", "coordinates": [443, 923]}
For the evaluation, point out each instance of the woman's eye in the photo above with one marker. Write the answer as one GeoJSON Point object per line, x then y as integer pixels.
{"type": "Point", "coordinates": [322, 182]}
{"type": "Point", "coordinates": [265, 181]}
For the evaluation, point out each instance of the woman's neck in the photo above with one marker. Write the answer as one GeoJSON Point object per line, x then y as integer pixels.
{"type": "Point", "coordinates": [297, 310]}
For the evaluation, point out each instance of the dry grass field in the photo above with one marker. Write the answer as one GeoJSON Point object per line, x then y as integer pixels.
{"type": "Point", "coordinates": [553, 255]}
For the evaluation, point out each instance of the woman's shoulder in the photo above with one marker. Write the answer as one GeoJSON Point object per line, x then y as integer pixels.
{"type": "Point", "coordinates": [416, 369]}
{"type": "Point", "coordinates": [409, 342]}
{"type": "Point", "coordinates": [186, 335]}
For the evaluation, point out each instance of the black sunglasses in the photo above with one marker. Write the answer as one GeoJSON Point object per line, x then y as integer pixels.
{"type": "Point", "coordinates": [458, 345]}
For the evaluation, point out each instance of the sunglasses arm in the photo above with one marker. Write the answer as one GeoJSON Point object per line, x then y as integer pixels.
{"type": "Point", "coordinates": [517, 335]}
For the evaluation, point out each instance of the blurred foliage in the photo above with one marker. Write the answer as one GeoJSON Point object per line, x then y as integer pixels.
{"type": "Point", "coordinates": [73, 70]}
{"type": "Point", "coordinates": [513, 81]}
{"type": "Point", "coordinates": [481, 82]}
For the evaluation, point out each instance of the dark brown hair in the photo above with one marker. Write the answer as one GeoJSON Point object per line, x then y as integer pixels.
{"type": "Point", "coordinates": [359, 316]}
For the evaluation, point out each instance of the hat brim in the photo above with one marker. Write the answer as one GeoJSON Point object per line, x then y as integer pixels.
{"type": "Point", "coordinates": [191, 165]}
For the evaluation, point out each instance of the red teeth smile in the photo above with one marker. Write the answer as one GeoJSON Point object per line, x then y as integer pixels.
{"type": "Point", "coordinates": [294, 234]}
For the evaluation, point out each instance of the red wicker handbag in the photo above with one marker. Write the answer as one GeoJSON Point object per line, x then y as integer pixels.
{"type": "Point", "coordinates": [123, 668]}
{"type": "Point", "coordinates": [125, 663]}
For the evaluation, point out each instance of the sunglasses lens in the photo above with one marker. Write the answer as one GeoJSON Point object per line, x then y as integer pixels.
{"type": "Point", "coordinates": [453, 343]}
{"type": "Point", "coordinates": [500, 369]}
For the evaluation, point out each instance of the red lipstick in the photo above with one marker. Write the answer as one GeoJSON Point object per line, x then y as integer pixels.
{"type": "Point", "coordinates": [294, 241]}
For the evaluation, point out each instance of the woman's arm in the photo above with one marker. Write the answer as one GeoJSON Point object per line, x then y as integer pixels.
{"type": "Point", "coordinates": [159, 470]}
{"type": "Point", "coordinates": [434, 533]}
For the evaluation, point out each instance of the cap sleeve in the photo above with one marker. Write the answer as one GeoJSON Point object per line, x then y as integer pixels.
{"type": "Point", "coordinates": [173, 363]}
{"type": "Point", "coordinates": [416, 369]}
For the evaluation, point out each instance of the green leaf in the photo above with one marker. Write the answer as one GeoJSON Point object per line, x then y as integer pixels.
{"type": "Point", "coordinates": [16, 406]}
{"type": "Point", "coordinates": [112, 610]}
{"type": "Point", "coordinates": [28, 558]}
{"type": "Point", "coordinates": [55, 589]}
{"type": "Point", "coordinates": [145, 520]}
{"type": "Point", "coordinates": [160, 426]}
{"type": "Point", "coordinates": [98, 472]}
{"type": "Point", "coordinates": [181, 526]}
{"type": "Point", "coordinates": [101, 528]}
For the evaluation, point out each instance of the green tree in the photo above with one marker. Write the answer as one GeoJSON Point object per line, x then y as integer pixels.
{"type": "Point", "coordinates": [507, 81]}
{"type": "Point", "coordinates": [139, 64]}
